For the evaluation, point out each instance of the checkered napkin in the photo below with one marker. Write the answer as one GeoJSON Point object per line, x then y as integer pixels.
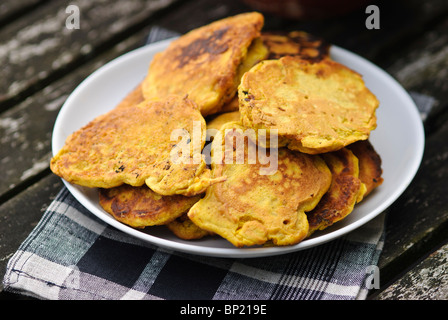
{"type": "Point", "coordinates": [71, 254]}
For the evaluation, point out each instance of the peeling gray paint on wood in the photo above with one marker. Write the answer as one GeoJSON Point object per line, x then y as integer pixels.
{"type": "Point", "coordinates": [421, 210]}
{"type": "Point", "coordinates": [33, 48]}
{"type": "Point", "coordinates": [429, 63]}
{"type": "Point", "coordinates": [413, 219]}
{"type": "Point", "coordinates": [427, 281]}
{"type": "Point", "coordinates": [424, 67]}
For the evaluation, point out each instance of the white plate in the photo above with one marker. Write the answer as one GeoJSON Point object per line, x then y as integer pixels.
{"type": "Point", "coordinates": [399, 139]}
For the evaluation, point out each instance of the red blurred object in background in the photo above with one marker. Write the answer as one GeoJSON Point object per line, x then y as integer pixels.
{"type": "Point", "coordinates": [306, 9]}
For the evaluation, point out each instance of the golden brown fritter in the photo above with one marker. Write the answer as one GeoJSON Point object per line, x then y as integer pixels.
{"type": "Point", "coordinates": [256, 52]}
{"type": "Point", "coordinates": [370, 170]}
{"type": "Point", "coordinates": [255, 208]}
{"type": "Point", "coordinates": [295, 43]}
{"type": "Point", "coordinates": [140, 207]}
{"type": "Point", "coordinates": [134, 145]}
{"type": "Point", "coordinates": [133, 98]}
{"type": "Point", "coordinates": [345, 191]}
{"type": "Point", "coordinates": [217, 122]}
{"type": "Point", "coordinates": [316, 107]}
{"type": "Point", "coordinates": [204, 63]}
{"type": "Point", "coordinates": [232, 105]}
{"type": "Point", "coordinates": [185, 229]}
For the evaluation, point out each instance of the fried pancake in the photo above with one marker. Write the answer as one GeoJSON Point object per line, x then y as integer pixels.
{"type": "Point", "coordinates": [218, 121]}
{"type": "Point", "coordinates": [184, 228]}
{"type": "Point", "coordinates": [316, 107]}
{"type": "Point", "coordinates": [204, 63]}
{"type": "Point", "coordinates": [345, 191]}
{"type": "Point", "coordinates": [132, 98]}
{"type": "Point", "coordinates": [232, 105]}
{"type": "Point", "coordinates": [295, 43]}
{"type": "Point", "coordinates": [141, 207]}
{"type": "Point", "coordinates": [250, 208]}
{"type": "Point", "coordinates": [134, 145]}
{"type": "Point", "coordinates": [256, 53]}
{"type": "Point", "coordinates": [370, 170]}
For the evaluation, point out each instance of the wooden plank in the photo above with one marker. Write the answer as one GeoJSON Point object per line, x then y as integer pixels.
{"type": "Point", "coordinates": [422, 207]}
{"type": "Point", "coordinates": [418, 220]}
{"type": "Point", "coordinates": [347, 31]}
{"type": "Point", "coordinates": [401, 22]}
{"type": "Point", "coordinates": [427, 281]}
{"type": "Point", "coordinates": [39, 47]}
{"type": "Point", "coordinates": [422, 66]}
{"type": "Point", "coordinates": [25, 130]}
{"type": "Point", "coordinates": [20, 215]}
{"type": "Point", "coordinates": [11, 9]}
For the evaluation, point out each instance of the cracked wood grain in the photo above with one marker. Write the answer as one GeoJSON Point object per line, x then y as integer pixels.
{"type": "Point", "coordinates": [37, 47]}
{"type": "Point", "coordinates": [421, 209]}
{"type": "Point", "coordinates": [427, 281]}
{"type": "Point", "coordinates": [418, 220]}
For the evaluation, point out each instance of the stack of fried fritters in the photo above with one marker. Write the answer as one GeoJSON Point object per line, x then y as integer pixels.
{"type": "Point", "coordinates": [230, 77]}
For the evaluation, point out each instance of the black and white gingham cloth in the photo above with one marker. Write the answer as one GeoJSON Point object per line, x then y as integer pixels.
{"type": "Point", "coordinates": [71, 254]}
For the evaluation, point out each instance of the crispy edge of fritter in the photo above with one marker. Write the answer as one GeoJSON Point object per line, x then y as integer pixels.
{"type": "Point", "coordinates": [140, 207]}
{"type": "Point", "coordinates": [77, 150]}
{"type": "Point", "coordinates": [219, 120]}
{"type": "Point", "coordinates": [257, 52]}
{"type": "Point", "coordinates": [295, 43]}
{"type": "Point", "coordinates": [232, 105]}
{"type": "Point", "coordinates": [345, 191]}
{"type": "Point", "coordinates": [183, 228]}
{"type": "Point", "coordinates": [186, 51]}
{"type": "Point", "coordinates": [134, 97]}
{"type": "Point", "coordinates": [370, 171]}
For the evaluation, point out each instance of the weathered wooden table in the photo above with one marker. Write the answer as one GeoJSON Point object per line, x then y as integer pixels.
{"type": "Point", "coordinates": [43, 60]}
